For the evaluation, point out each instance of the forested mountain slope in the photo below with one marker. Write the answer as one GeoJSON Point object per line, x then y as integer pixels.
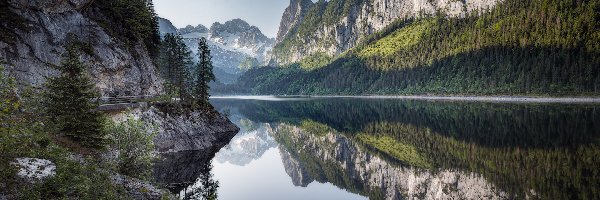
{"type": "Point", "coordinates": [518, 47]}
{"type": "Point", "coordinates": [328, 28]}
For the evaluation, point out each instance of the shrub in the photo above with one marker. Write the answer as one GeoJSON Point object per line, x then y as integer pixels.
{"type": "Point", "coordinates": [132, 140]}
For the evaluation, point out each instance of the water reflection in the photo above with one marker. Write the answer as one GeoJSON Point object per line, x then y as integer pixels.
{"type": "Point", "coordinates": [396, 149]}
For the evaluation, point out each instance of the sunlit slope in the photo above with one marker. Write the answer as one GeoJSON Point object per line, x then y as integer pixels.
{"type": "Point", "coordinates": [518, 47]}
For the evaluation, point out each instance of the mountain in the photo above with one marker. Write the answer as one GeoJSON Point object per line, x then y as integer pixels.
{"type": "Point", "coordinates": [332, 27]}
{"type": "Point", "coordinates": [165, 26]}
{"type": "Point", "coordinates": [508, 47]}
{"type": "Point", "coordinates": [235, 45]}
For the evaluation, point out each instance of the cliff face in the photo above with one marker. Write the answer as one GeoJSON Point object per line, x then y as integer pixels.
{"type": "Point", "coordinates": [367, 174]}
{"type": "Point", "coordinates": [292, 16]}
{"type": "Point", "coordinates": [359, 18]}
{"type": "Point", "coordinates": [189, 132]}
{"type": "Point", "coordinates": [51, 24]}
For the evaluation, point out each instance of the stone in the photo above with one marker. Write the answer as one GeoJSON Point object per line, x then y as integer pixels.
{"type": "Point", "coordinates": [188, 132]}
{"type": "Point", "coordinates": [34, 169]}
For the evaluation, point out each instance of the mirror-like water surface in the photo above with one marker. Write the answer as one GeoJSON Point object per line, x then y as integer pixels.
{"type": "Point", "coordinates": [349, 148]}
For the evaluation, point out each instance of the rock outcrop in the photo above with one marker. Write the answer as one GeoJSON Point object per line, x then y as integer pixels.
{"type": "Point", "coordinates": [31, 57]}
{"type": "Point", "coordinates": [188, 132]}
{"type": "Point", "coordinates": [361, 19]}
{"type": "Point", "coordinates": [34, 169]}
{"type": "Point", "coordinates": [292, 16]}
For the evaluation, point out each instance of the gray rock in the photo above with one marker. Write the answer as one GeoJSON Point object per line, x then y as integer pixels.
{"type": "Point", "coordinates": [292, 16]}
{"type": "Point", "coordinates": [191, 132]}
{"type": "Point", "coordinates": [34, 169]}
{"type": "Point", "coordinates": [31, 57]}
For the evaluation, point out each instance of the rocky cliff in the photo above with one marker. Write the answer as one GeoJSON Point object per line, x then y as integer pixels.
{"type": "Point", "coordinates": [332, 27]}
{"type": "Point", "coordinates": [342, 162]}
{"type": "Point", "coordinates": [117, 68]}
{"type": "Point", "coordinates": [194, 131]}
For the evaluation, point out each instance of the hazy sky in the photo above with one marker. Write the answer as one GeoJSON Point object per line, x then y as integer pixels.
{"type": "Point", "coordinates": [265, 14]}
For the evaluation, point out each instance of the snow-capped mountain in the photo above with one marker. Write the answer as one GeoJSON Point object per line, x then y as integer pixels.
{"type": "Point", "coordinates": [251, 142]}
{"type": "Point", "coordinates": [235, 45]}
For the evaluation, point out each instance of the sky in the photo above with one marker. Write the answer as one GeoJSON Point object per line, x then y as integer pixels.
{"type": "Point", "coordinates": [265, 14]}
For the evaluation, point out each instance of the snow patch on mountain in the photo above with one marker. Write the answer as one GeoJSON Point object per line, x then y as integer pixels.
{"type": "Point", "coordinates": [231, 44]}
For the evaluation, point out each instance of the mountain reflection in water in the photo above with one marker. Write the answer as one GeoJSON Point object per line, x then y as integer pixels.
{"type": "Point", "coordinates": [343, 148]}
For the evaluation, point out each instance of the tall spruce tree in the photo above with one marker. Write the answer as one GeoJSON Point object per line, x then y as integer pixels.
{"type": "Point", "coordinates": [204, 72]}
{"type": "Point", "coordinates": [175, 65]}
{"type": "Point", "coordinates": [70, 102]}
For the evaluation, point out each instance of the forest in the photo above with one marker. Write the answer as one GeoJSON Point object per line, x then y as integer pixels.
{"type": "Point", "coordinates": [539, 47]}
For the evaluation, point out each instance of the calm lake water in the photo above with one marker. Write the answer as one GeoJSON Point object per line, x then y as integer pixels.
{"type": "Point", "coordinates": [352, 148]}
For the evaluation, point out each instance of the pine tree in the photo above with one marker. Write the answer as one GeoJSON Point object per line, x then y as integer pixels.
{"type": "Point", "coordinates": [175, 61]}
{"type": "Point", "coordinates": [204, 72]}
{"type": "Point", "coordinates": [70, 102]}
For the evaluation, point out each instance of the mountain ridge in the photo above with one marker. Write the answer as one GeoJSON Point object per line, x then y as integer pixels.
{"type": "Point", "coordinates": [333, 27]}
{"type": "Point", "coordinates": [232, 44]}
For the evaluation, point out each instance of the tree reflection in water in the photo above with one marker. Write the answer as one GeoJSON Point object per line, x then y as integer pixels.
{"type": "Point", "coordinates": [205, 187]}
{"type": "Point", "coordinates": [546, 151]}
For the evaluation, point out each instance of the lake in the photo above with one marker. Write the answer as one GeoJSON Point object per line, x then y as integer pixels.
{"type": "Point", "coordinates": [378, 148]}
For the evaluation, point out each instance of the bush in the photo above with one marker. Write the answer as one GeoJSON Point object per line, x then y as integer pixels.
{"type": "Point", "coordinates": [132, 140]}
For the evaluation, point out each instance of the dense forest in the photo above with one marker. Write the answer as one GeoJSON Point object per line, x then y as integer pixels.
{"type": "Point", "coordinates": [534, 47]}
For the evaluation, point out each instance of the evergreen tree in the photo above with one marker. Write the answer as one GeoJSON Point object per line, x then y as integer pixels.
{"type": "Point", "coordinates": [175, 61]}
{"type": "Point", "coordinates": [204, 72]}
{"type": "Point", "coordinates": [70, 102]}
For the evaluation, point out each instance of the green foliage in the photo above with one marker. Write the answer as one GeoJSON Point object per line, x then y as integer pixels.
{"type": "Point", "coordinates": [249, 63]}
{"type": "Point", "coordinates": [245, 123]}
{"type": "Point", "coordinates": [24, 133]}
{"type": "Point", "coordinates": [9, 103]}
{"type": "Point", "coordinates": [133, 141]}
{"type": "Point", "coordinates": [315, 128]}
{"type": "Point", "coordinates": [70, 101]}
{"type": "Point", "coordinates": [174, 63]}
{"type": "Point", "coordinates": [315, 61]}
{"type": "Point", "coordinates": [402, 39]}
{"type": "Point", "coordinates": [132, 21]}
{"type": "Point", "coordinates": [403, 152]}
{"type": "Point", "coordinates": [204, 73]}
{"type": "Point", "coordinates": [539, 47]}
{"type": "Point", "coordinates": [190, 81]}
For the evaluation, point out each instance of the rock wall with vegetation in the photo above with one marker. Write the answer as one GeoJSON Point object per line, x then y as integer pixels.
{"type": "Point", "coordinates": [332, 27]}
{"type": "Point", "coordinates": [114, 37]}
